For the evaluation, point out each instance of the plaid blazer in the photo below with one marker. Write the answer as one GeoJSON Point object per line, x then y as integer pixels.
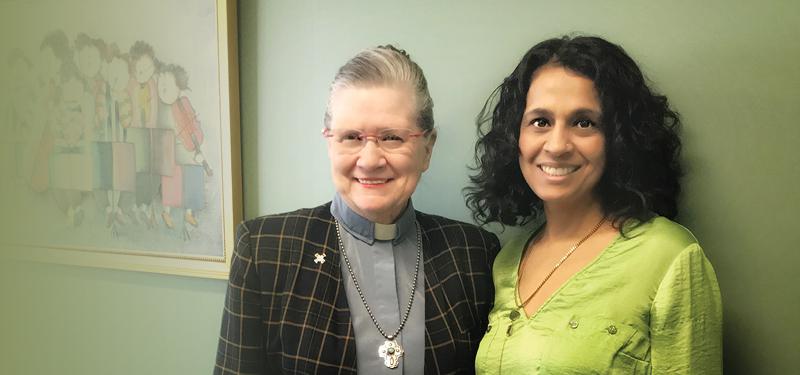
{"type": "Point", "coordinates": [285, 314]}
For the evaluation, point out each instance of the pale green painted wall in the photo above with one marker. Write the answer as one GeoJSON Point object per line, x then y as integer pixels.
{"type": "Point", "coordinates": [731, 70]}
{"type": "Point", "coordinates": [72, 320]}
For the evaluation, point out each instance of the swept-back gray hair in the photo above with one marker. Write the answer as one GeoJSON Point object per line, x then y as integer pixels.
{"type": "Point", "coordinates": [383, 66]}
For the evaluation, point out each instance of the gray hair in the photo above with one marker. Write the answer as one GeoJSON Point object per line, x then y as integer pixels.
{"type": "Point", "coordinates": [385, 65]}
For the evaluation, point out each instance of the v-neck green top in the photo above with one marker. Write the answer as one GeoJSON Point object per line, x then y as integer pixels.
{"type": "Point", "coordinates": [649, 303]}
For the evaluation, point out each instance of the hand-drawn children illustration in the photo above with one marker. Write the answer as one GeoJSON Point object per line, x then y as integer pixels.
{"type": "Point", "coordinates": [71, 166]}
{"type": "Point", "coordinates": [20, 118]}
{"type": "Point", "coordinates": [143, 85]}
{"type": "Point", "coordinates": [117, 163]}
{"type": "Point", "coordinates": [54, 55]}
{"type": "Point", "coordinates": [117, 74]}
{"type": "Point", "coordinates": [185, 187]}
{"type": "Point", "coordinates": [152, 161]}
{"type": "Point", "coordinates": [115, 138]}
{"type": "Point", "coordinates": [88, 56]}
{"type": "Point", "coordinates": [89, 60]}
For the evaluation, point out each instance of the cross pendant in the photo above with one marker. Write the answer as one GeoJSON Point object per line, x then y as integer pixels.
{"type": "Point", "coordinates": [391, 352]}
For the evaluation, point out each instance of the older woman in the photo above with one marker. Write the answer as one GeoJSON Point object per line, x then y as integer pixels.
{"type": "Point", "coordinates": [606, 283]}
{"type": "Point", "coordinates": [363, 283]}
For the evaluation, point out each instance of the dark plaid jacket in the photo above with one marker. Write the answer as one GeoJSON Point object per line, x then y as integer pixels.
{"type": "Point", "coordinates": [285, 314]}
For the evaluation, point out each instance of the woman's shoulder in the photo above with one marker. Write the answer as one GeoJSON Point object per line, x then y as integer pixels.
{"type": "Point", "coordinates": [290, 221]}
{"type": "Point", "coordinates": [658, 241]}
{"type": "Point", "coordinates": [457, 233]}
{"type": "Point", "coordinates": [431, 222]}
{"type": "Point", "coordinates": [664, 231]}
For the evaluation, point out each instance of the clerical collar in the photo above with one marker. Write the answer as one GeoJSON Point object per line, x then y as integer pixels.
{"type": "Point", "coordinates": [368, 231]}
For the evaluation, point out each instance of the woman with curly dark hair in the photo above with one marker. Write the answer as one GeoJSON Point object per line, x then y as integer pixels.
{"type": "Point", "coordinates": [606, 283]}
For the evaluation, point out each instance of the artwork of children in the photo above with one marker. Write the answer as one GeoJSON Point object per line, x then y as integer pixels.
{"type": "Point", "coordinates": [107, 150]}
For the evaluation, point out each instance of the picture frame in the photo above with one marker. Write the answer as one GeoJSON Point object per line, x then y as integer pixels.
{"type": "Point", "coordinates": [137, 170]}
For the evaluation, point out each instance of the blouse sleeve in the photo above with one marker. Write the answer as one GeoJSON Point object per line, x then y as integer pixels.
{"type": "Point", "coordinates": [686, 318]}
{"type": "Point", "coordinates": [240, 349]}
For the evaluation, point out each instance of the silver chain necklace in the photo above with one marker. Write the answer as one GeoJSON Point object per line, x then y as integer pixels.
{"type": "Point", "coordinates": [390, 351]}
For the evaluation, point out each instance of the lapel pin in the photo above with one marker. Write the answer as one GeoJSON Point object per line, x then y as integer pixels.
{"type": "Point", "coordinates": [319, 258]}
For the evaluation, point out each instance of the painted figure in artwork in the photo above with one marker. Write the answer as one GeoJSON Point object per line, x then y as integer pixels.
{"type": "Point", "coordinates": [143, 85]}
{"type": "Point", "coordinates": [89, 56]}
{"type": "Point", "coordinates": [185, 187]}
{"type": "Point", "coordinates": [71, 163]}
{"type": "Point", "coordinates": [117, 74]}
{"type": "Point", "coordinates": [117, 156]}
{"type": "Point", "coordinates": [20, 114]}
{"type": "Point", "coordinates": [144, 114]}
{"type": "Point", "coordinates": [54, 56]}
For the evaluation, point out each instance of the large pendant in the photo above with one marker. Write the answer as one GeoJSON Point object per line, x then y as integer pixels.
{"type": "Point", "coordinates": [391, 352]}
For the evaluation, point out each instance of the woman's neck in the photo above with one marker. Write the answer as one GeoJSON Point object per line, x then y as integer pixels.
{"type": "Point", "coordinates": [569, 221]}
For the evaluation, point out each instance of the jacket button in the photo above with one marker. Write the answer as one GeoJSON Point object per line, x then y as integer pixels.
{"type": "Point", "coordinates": [612, 329]}
{"type": "Point", "coordinates": [573, 324]}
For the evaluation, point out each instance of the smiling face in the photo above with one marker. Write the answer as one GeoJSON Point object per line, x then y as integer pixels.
{"type": "Point", "coordinates": [118, 78]}
{"type": "Point", "coordinates": [168, 90]}
{"type": "Point", "coordinates": [49, 64]}
{"type": "Point", "coordinates": [375, 183]}
{"type": "Point", "coordinates": [562, 148]}
{"type": "Point", "coordinates": [144, 67]}
{"type": "Point", "coordinates": [89, 61]}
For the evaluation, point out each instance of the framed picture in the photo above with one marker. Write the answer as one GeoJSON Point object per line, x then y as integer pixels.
{"type": "Point", "coordinates": [121, 143]}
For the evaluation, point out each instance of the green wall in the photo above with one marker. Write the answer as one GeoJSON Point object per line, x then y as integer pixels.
{"type": "Point", "coordinates": [730, 68]}
{"type": "Point", "coordinates": [71, 320]}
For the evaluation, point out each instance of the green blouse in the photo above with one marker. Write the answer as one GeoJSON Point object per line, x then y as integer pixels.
{"type": "Point", "coordinates": [648, 304]}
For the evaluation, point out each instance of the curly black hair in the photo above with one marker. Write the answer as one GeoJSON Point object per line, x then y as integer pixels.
{"type": "Point", "coordinates": [642, 171]}
{"type": "Point", "coordinates": [141, 48]}
{"type": "Point", "coordinates": [177, 71]}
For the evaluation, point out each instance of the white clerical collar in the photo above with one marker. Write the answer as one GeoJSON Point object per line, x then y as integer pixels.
{"type": "Point", "coordinates": [368, 231]}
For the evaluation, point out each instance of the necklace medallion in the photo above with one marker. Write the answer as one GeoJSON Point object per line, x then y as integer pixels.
{"type": "Point", "coordinates": [391, 352]}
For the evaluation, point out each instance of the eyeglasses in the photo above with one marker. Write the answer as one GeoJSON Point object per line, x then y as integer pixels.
{"type": "Point", "coordinates": [390, 140]}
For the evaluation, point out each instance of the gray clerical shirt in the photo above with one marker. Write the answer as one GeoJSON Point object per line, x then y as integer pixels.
{"type": "Point", "coordinates": [384, 270]}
